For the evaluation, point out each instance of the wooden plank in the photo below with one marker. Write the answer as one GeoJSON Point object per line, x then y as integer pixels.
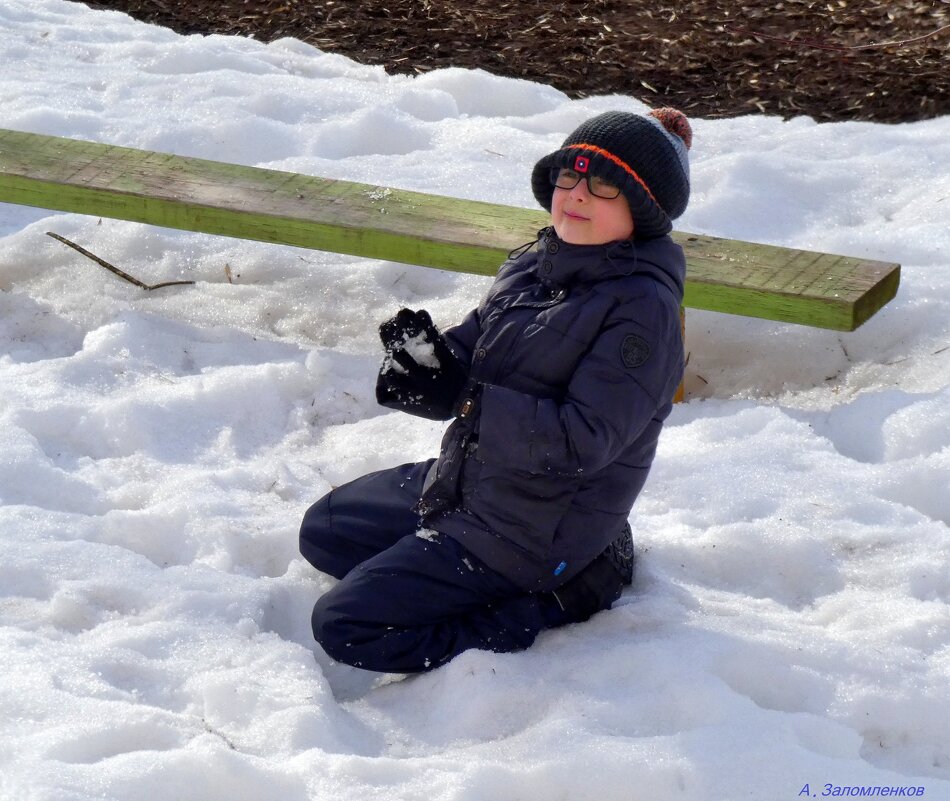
{"type": "Point", "coordinates": [213, 197]}
{"type": "Point", "coordinates": [817, 289]}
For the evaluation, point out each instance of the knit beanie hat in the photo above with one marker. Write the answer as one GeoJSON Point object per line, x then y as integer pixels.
{"type": "Point", "coordinates": [645, 156]}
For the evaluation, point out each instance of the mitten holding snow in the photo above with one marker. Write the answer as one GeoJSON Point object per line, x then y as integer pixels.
{"type": "Point", "coordinates": [420, 374]}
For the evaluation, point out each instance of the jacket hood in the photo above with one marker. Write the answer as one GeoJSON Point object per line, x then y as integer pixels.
{"type": "Point", "coordinates": [563, 264]}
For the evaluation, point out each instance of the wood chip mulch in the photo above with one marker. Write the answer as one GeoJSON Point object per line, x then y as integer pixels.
{"type": "Point", "coordinates": [833, 60]}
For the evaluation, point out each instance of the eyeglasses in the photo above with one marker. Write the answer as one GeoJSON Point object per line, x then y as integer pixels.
{"type": "Point", "coordinates": [566, 178]}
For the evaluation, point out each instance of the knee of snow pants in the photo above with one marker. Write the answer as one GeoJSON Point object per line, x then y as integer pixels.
{"type": "Point", "coordinates": [421, 602]}
{"type": "Point", "coordinates": [359, 519]}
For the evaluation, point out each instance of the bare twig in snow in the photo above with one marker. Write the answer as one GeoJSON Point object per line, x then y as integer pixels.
{"type": "Point", "coordinates": [112, 269]}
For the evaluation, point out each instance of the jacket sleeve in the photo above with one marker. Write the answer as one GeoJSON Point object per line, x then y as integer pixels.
{"type": "Point", "coordinates": [629, 374]}
{"type": "Point", "coordinates": [462, 337]}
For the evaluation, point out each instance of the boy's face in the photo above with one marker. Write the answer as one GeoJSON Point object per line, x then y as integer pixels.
{"type": "Point", "coordinates": [581, 218]}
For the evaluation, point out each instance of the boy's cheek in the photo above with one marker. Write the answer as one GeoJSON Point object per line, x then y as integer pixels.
{"type": "Point", "coordinates": [598, 230]}
{"type": "Point", "coordinates": [610, 221]}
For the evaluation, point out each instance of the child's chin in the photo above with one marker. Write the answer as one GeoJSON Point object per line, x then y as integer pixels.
{"type": "Point", "coordinates": [573, 236]}
{"type": "Point", "coordinates": [574, 232]}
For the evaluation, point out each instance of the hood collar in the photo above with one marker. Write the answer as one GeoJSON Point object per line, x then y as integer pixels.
{"type": "Point", "coordinates": [563, 264]}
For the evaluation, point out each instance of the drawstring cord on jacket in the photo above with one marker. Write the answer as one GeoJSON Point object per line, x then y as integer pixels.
{"type": "Point", "coordinates": [633, 246]}
{"type": "Point", "coordinates": [522, 249]}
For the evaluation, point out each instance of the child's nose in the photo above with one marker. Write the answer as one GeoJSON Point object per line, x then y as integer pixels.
{"type": "Point", "coordinates": [580, 190]}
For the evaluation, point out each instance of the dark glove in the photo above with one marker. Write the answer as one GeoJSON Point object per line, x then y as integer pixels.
{"type": "Point", "coordinates": [420, 374]}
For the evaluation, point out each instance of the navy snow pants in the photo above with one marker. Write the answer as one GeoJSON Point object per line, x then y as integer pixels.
{"type": "Point", "coordinates": [407, 601]}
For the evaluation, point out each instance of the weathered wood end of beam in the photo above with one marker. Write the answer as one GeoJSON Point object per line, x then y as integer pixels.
{"type": "Point", "coordinates": [817, 289]}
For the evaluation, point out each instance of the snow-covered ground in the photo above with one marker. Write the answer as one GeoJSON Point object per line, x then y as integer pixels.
{"type": "Point", "coordinates": [789, 625]}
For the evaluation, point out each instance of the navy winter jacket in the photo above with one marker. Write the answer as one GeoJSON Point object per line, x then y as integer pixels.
{"type": "Point", "coordinates": [574, 355]}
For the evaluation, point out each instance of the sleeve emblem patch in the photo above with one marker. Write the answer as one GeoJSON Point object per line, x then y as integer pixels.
{"type": "Point", "coordinates": [634, 351]}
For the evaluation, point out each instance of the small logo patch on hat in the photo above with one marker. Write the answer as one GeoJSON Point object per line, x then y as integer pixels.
{"type": "Point", "coordinates": [581, 163]}
{"type": "Point", "coordinates": [634, 351]}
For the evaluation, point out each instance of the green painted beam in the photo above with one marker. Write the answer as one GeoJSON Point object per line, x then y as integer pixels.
{"type": "Point", "coordinates": [735, 277]}
{"type": "Point", "coordinates": [797, 286]}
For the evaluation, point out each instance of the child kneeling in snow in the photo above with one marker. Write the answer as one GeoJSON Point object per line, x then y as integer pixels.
{"type": "Point", "coordinates": [558, 383]}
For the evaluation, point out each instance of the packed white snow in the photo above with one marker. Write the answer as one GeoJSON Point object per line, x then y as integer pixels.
{"type": "Point", "coordinates": [788, 632]}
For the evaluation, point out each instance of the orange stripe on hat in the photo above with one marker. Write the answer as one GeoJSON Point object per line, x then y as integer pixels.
{"type": "Point", "coordinates": [619, 162]}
